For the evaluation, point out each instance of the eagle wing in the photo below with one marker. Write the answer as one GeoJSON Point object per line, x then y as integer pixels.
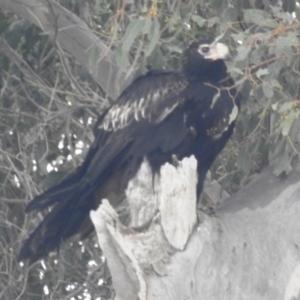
{"type": "Point", "coordinates": [151, 97]}
{"type": "Point", "coordinates": [142, 105]}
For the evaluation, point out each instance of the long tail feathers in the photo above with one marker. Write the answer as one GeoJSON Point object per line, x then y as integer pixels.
{"type": "Point", "coordinates": [73, 200]}
{"type": "Point", "coordinates": [54, 194]}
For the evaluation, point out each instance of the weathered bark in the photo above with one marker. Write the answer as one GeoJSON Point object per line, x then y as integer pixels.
{"type": "Point", "coordinates": [75, 37]}
{"type": "Point", "coordinates": [248, 250]}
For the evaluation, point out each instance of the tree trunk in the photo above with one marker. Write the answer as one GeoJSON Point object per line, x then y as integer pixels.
{"type": "Point", "coordinates": [248, 250]}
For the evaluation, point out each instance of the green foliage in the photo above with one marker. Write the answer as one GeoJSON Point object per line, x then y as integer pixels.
{"type": "Point", "coordinates": [41, 132]}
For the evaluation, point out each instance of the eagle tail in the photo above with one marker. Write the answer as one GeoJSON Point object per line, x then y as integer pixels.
{"type": "Point", "coordinates": [55, 193]}
{"type": "Point", "coordinates": [72, 199]}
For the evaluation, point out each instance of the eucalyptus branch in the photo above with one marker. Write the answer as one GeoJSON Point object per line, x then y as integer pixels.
{"type": "Point", "coordinates": [25, 69]}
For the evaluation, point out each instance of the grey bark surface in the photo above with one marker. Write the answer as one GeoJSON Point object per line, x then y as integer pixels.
{"type": "Point", "coordinates": [248, 250]}
{"type": "Point", "coordinates": [75, 37]}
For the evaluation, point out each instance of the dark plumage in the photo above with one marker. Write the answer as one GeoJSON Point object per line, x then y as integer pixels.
{"type": "Point", "coordinates": [160, 114]}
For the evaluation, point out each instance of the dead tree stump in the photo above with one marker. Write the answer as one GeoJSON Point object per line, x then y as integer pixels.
{"type": "Point", "coordinates": [249, 250]}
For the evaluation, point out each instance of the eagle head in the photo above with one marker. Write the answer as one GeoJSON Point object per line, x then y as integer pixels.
{"type": "Point", "coordinates": [205, 58]}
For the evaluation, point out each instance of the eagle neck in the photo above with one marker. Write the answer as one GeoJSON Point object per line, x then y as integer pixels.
{"type": "Point", "coordinates": [215, 71]}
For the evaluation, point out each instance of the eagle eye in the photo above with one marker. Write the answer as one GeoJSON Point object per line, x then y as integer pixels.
{"type": "Point", "coordinates": [204, 49]}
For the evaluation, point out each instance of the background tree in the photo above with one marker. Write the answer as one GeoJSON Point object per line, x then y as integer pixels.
{"type": "Point", "coordinates": [63, 62]}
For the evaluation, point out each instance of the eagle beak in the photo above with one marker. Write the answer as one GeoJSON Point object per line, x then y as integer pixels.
{"type": "Point", "coordinates": [219, 51]}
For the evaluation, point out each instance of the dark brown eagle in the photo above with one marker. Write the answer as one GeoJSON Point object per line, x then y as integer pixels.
{"type": "Point", "coordinates": [161, 114]}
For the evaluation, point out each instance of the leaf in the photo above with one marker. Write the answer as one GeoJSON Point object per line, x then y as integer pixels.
{"type": "Point", "coordinates": [281, 51]}
{"type": "Point", "coordinates": [283, 165]}
{"type": "Point", "coordinates": [216, 3]}
{"type": "Point", "coordinates": [296, 145]}
{"type": "Point", "coordinates": [213, 21]}
{"type": "Point", "coordinates": [259, 17]}
{"type": "Point", "coordinates": [284, 45]}
{"type": "Point", "coordinates": [156, 58]}
{"type": "Point", "coordinates": [261, 72]}
{"type": "Point", "coordinates": [243, 52]}
{"type": "Point", "coordinates": [288, 122]}
{"type": "Point", "coordinates": [276, 84]}
{"type": "Point", "coordinates": [257, 54]}
{"type": "Point", "coordinates": [285, 106]}
{"type": "Point", "coordinates": [132, 31]}
{"type": "Point", "coordinates": [236, 70]}
{"type": "Point", "coordinates": [199, 20]}
{"type": "Point", "coordinates": [275, 106]}
{"type": "Point", "coordinates": [229, 14]}
{"type": "Point", "coordinates": [93, 58]}
{"type": "Point", "coordinates": [154, 34]}
{"type": "Point", "coordinates": [267, 89]}
{"type": "Point", "coordinates": [244, 160]}
{"type": "Point", "coordinates": [289, 40]}
{"type": "Point", "coordinates": [147, 25]}
{"type": "Point", "coordinates": [239, 37]}
{"type": "Point", "coordinates": [286, 126]}
{"type": "Point", "coordinates": [122, 58]}
{"type": "Point", "coordinates": [278, 13]}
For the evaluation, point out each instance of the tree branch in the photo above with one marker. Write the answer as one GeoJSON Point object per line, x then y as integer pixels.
{"type": "Point", "coordinates": [75, 37]}
{"type": "Point", "coordinates": [26, 70]}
